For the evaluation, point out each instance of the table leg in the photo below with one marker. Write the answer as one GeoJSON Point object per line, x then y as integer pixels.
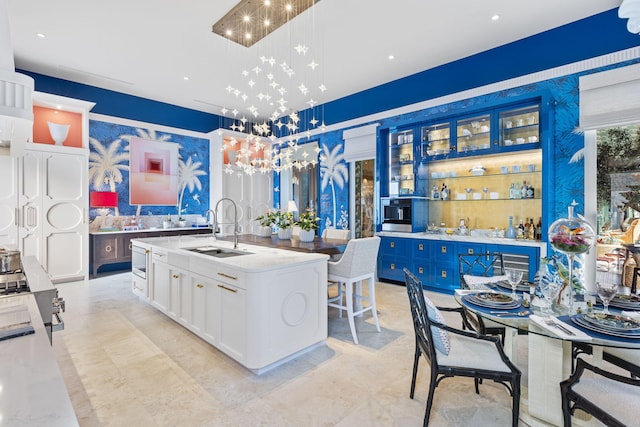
{"type": "Point", "coordinates": [549, 364]}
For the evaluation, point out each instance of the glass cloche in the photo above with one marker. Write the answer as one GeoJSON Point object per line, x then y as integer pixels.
{"type": "Point", "coordinates": [571, 235]}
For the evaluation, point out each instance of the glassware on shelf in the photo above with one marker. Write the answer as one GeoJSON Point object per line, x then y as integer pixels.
{"type": "Point", "coordinates": [571, 236]}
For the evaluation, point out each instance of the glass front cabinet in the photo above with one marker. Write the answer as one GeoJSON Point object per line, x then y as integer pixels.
{"type": "Point", "coordinates": [479, 168]}
{"type": "Point", "coordinates": [401, 164]}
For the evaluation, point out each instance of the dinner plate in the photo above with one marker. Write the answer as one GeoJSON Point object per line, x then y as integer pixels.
{"type": "Point", "coordinates": [492, 300]}
{"type": "Point", "coordinates": [612, 321]}
{"type": "Point", "coordinates": [578, 320]}
{"type": "Point", "coordinates": [522, 286]}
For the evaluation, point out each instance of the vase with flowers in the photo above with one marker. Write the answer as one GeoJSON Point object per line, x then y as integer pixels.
{"type": "Point", "coordinates": [265, 224]}
{"type": "Point", "coordinates": [284, 221]}
{"type": "Point", "coordinates": [308, 223]}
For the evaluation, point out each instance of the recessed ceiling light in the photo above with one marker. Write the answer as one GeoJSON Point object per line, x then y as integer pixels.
{"type": "Point", "coordinates": [495, 17]}
{"type": "Point", "coordinates": [41, 35]}
{"type": "Point", "coordinates": [246, 18]}
{"type": "Point", "coordinates": [186, 77]}
{"type": "Point", "coordinates": [391, 57]}
{"type": "Point", "coordinates": [267, 2]}
{"type": "Point", "coordinates": [266, 22]}
{"type": "Point", "coordinates": [229, 33]}
{"type": "Point", "coordinates": [247, 36]}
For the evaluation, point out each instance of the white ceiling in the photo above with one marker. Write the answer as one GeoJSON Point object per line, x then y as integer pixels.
{"type": "Point", "coordinates": [146, 47]}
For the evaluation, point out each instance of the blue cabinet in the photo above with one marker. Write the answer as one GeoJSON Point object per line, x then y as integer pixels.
{"type": "Point", "coordinates": [435, 262]}
{"type": "Point", "coordinates": [393, 256]}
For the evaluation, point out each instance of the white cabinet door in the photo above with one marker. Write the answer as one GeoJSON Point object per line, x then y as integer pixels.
{"type": "Point", "coordinates": [205, 318]}
{"type": "Point", "coordinates": [253, 195]}
{"type": "Point", "coordinates": [185, 317]}
{"type": "Point", "coordinates": [52, 198]}
{"type": "Point", "coordinates": [8, 202]}
{"type": "Point", "coordinates": [233, 320]}
{"type": "Point", "coordinates": [64, 225]}
{"type": "Point", "coordinates": [160, 286]}
{"type": "Point", "coordinates": [30, 203]}
{"type": "Point", "coordinates": [178, 278]}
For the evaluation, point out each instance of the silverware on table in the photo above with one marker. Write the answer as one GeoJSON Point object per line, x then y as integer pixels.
{"type": "Point", "coordinates": [549, 321]}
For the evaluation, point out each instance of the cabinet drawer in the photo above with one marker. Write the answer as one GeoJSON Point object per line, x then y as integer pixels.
{"type": "Point", "coordinates": [423, 271]}
{"type": "Point", "coordinates": [421, 249]}
{"type": "Point", "coordinates": [443, 251]}
{"type": "Point", "coordinates": [471, 248]}
{"type": "Point", "coordinates": [391, 268]}
{"type": "Point", "coordinates": [393, 246]}
{"type": "Point", "coordinates": [443, 276]}
{"type": "Point", "coordinates": [106, 248]}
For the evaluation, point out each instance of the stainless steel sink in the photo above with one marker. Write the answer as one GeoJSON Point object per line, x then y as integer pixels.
{"type": "Point", "coordinates": [217, 252]}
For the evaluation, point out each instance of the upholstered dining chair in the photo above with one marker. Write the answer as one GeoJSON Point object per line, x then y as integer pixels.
{"type": "Point", "coordinates": [606, 396]}
{"type": "Point", "coordinates": [476, 271]}
{"type": "Point", "coordinates": [335, 234]}
{"type": "Point", "coordinates": [357, 264]}
{"type": "Point", "coordinates": [453, 352]}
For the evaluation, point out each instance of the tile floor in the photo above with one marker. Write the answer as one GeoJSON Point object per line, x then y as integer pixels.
{"type": "Point", "coordinates": [126, 364]}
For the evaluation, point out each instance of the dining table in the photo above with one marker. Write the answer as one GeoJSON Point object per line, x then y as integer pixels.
{"type": "Point", "coordinates": [550, 348]}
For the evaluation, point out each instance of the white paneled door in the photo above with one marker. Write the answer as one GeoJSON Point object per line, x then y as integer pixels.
{"type": "Point", "coordinates": [8, 202]}
{"type": "Point", "coordinates": [52, 203]}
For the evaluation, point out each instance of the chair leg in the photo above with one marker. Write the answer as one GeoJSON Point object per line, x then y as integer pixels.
{"type": "Point", "coordinates": [349, 295]}
{"type": "Point", "coordinates": [432, 389]}
{"type": "Point", "coordinates": [340, 298]}
{"type": "Point", "coordinates": [515, 390]}
{"type": "Point", "coordinates": [372, 301]}
{"type": "Point", "coordinates": [416, 359]}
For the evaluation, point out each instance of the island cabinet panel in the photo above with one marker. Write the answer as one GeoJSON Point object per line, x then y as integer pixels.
{"type": "Point", "coordinates": [259, 316]}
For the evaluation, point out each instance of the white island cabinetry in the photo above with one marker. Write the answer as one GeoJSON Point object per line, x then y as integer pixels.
{"type": "Point", "coordinates": [260, 308]}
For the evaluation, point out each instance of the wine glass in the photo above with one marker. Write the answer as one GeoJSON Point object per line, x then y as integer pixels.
{"type": "Point", "coordinates": [513, 277]}
{"type": "Point", "coordinates": [606, 292]}
{"type": "Point", "coordinates": [485, 190]}
{"type": "Point", "coordinates": [550, 289]}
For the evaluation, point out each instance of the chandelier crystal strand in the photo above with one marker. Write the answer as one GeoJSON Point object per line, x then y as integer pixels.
{"type": "Point", "coordinates": [268, 85]}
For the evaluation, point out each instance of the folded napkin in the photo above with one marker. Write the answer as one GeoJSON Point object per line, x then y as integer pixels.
{"type": "Point", "coordinates": [579, 335]}
{"type": "Point", "coordinates": [467, 291]}
{"type": "Point", "coordinates": [632, 314]}
{"type": "Point", "coordinates": [480, 281]}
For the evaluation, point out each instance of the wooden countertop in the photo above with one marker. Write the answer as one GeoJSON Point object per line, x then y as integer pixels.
{"type": "Point", "coordinates": [319, 245]}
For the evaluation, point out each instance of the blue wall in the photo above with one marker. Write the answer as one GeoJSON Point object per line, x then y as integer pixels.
{"type": "Point", "coordinates": [591, 37]}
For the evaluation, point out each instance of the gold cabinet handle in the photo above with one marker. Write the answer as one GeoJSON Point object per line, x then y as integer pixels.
{"type": "Point", "coordinates": [469, 251]}
{"type": "Point", "coordinates": [443, 249]}
{"type": "Point", "coordinates": [200, 286]}
{"type": "Point", "coordinates": [393, 266]}
{"type": "Point", "coordinates": [392, 244]}
{"type": "Point", "coordinates": [147, 251]}
{"type": "Point", "coordinates": [227, 276]}
{"type": "Point", "coordinates": [227, 289]}
{"type": "Point", "coordinates": [420, 270]}
{"type": "Point", "coordinates": [420, 247]}
{"type": "Point", "coordinates": [176, 276]}
{"type": "Point", "coordinates": [443, 274]}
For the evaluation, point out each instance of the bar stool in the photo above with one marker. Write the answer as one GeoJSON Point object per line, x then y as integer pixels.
{"type": "Point", "coordinates": [358, 263]}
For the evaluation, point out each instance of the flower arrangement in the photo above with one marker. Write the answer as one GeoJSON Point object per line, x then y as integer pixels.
{"type": "Point", "coordinates": [268, 219]}
{"type": "Point", "coordinates": [283, 219]}
{"type": "Point", "coordinates": [308, 220]}
{"type": "Point", "coordinates": [572, 241]}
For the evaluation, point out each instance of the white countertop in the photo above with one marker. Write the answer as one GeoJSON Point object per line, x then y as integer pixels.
{"type": "Point", "coordinates": [145, 230]}
{"type": "Point", "coordinates": [32, 390]}
{"type": "Point", "coordinates": [458, 238]}
{"type": "Point", "coordinates": [258, 259]}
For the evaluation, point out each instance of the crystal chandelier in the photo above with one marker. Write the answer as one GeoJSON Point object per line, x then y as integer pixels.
{"type": "Point", "coordinates": [272, 126]}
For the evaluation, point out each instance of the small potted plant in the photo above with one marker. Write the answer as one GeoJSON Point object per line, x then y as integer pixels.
{"type": "Point", "coordinates": [284, 222]}
{"type": "Point", "coordinates": [308, 223]}
{"type": "Point", "coordinates": [265, 224]}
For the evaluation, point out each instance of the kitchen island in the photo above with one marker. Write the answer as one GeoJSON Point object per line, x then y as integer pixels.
{"type": "Point", "coordinates": [261, 306]}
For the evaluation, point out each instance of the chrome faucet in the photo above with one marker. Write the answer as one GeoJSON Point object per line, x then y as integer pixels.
{"type": "Point", "coordinates": [236, 228]}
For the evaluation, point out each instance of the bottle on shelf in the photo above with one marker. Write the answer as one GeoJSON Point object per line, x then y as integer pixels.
{"type": "Point", "coordinates": [435, 194]}
{"type": "Point", "coordinates": [530, 192]}
{"type": "Point", "coordinates": [520, 230]}
{"type": "Point", "coordinates": [511, 232]}
{"type": "Point", "coordinates": [523, 190]}
{"type": "Point", "coordinates": [539, 229]}
{"type": "Point", "coordinates": [444, 193]}
{"type": "Point", "coordinates": [511, 191]}
{"type": "Point", "coordinates": [532, 230]}
{"type": "Point", "coordinates": [516, 191]}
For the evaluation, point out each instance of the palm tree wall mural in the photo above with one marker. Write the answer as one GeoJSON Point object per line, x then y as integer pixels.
{"type": "Point", "coordinates": [333, 172]}
{"type": "Point", "coordinates": [109, 166]}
